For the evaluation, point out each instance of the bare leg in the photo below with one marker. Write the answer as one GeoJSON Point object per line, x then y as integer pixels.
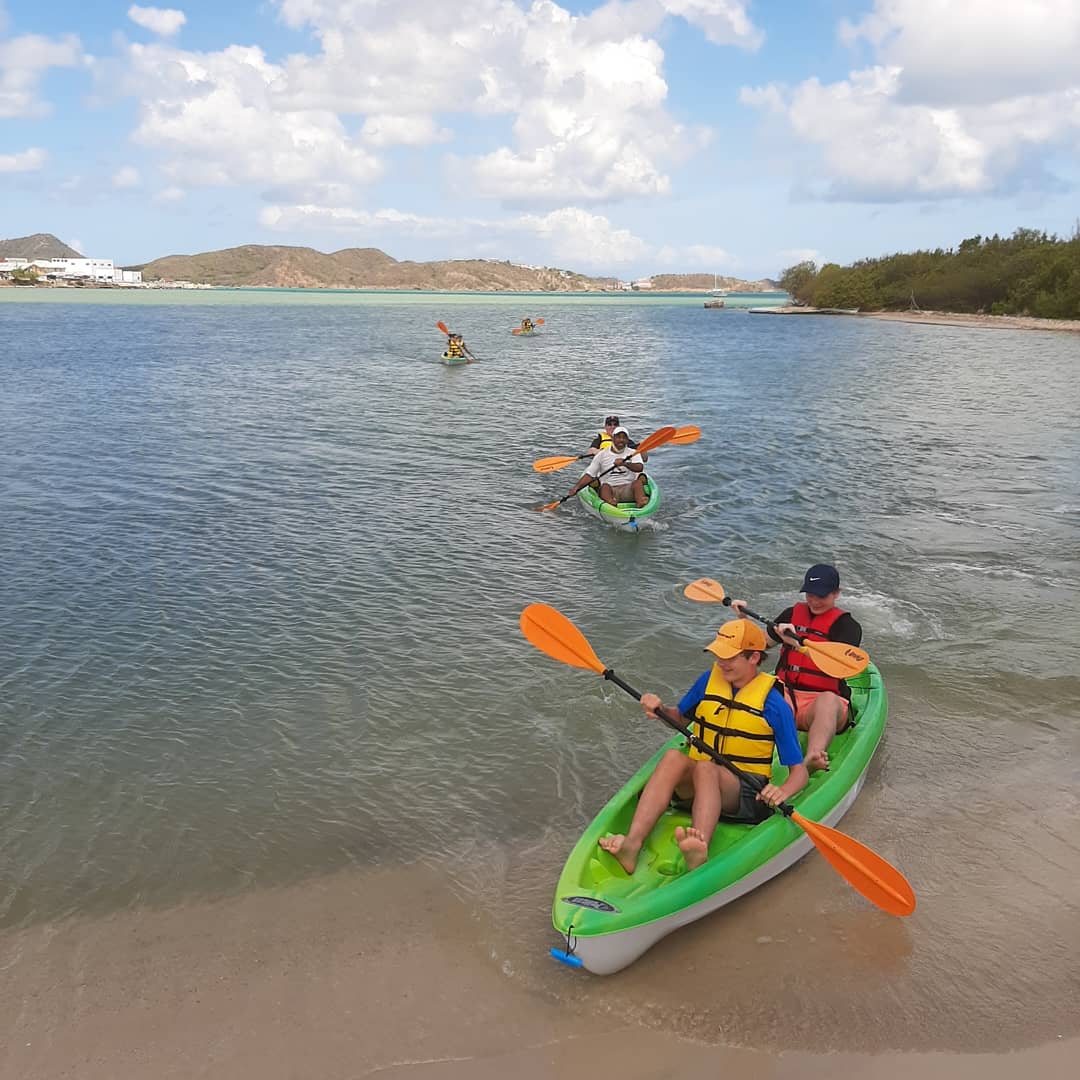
{"type": "Point", "coordinates": [639, 491]}
{"type": "Point", "coordinates": [672, 768]}
{"type": "Point", "coordinates": [607, 494]}
{"type": "Point", "coordinates": [827, 716]}
{"type": "Point", "coordinates": [715, 788]}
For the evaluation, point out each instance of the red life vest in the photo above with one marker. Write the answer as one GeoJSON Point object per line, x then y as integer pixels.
{"type": "Point", "coordinates": [797, 670]}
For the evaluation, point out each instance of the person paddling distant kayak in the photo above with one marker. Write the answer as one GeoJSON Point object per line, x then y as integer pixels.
{"type": "Point", "coordinates": [740, 712]}
{"type": "Point", "coordinates": [455, 346]}
{"type": "Point", "coordinates": [527, 325]}
{"type": "Point", "coordinates": [820, 702]}
{"type": "Point", "coordinates": [603, 438]}
{"type": "Point", "coordinates": [621, 479]}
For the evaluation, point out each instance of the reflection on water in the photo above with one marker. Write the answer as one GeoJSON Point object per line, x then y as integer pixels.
{"type": "Point", "coordinates": [263, 566]}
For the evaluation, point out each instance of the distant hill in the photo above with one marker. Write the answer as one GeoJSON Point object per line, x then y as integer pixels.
{"type": "Point", "coordinates": [288, 267]}
{"type": "Point", "coordinates": [38, 246]}
{"type": "Point", "coordinates": [696, 282]}
{"type": "Point", "coordinates": [358, 268]}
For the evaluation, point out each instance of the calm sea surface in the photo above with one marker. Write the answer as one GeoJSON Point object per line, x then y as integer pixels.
{"type": "Point", "coordinates": [261, 564]}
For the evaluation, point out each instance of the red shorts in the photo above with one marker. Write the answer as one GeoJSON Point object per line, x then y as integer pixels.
{"type": "Point", "coordinates": [802, 701]}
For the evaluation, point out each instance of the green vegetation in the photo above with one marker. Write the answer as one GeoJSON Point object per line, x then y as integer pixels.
{"type": "Point", "coordinates": [1028, 273]}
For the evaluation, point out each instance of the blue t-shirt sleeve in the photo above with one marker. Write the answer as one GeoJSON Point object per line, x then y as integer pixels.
{"type": "Point", "coordinates": [692, 698]}
{"type": "Point", "coordinates": [781, 719]}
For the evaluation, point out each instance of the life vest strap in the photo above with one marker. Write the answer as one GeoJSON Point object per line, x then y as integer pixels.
{"type": "Point", "coordinates": [736, 732]}
{"type": "Point", "coordinates": [731, 703]}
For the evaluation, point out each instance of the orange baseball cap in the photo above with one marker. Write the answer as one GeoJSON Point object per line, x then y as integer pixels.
{"type": "Point", "coordinates": [735, 637]}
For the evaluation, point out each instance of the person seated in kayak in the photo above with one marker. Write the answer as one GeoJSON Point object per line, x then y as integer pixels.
{"type": "Point", "coordinates": [526, 326]}
{"type": "Point", "coordinates": [822, 704]}
{"type": "Point", "coordinates": [603, 438]}
{"type": "Point", "coordinates": [740, 712]}
{"type": "Point", "coordinates": [619, 477]}
{"type": "Point", "coordinates": [455, 346]}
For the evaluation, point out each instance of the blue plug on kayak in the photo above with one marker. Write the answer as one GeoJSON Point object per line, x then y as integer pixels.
{"type": "Point", "coordinates": [569, 959]}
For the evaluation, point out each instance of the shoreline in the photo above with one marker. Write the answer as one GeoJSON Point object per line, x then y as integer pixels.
{"type": "Point", "coordinates": [938, 318]}
{"type": "Point", "coordinates": [241, 989]}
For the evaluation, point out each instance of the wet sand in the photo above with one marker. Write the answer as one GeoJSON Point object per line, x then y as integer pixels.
{"type": "Point", "coordinates": [355, 975]}
{"type": "Point", "coordinates": [941, 318]}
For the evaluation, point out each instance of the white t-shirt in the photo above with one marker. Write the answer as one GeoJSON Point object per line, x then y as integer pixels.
{"type": "Point", "coordinates": [619, 477]}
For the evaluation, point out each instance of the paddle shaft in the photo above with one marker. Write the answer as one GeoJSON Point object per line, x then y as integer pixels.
{"type": "Point", "coordinates": [784, 808]}
{"type": "Point", "coordinates": [770, 623]}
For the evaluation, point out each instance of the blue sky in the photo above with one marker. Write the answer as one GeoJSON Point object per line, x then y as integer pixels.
{"type": "Point", "coordinates": [630, 137]}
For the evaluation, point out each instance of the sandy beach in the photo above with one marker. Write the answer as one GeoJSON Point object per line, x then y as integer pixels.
{"type": "Point", "coordinates": [357, 975]}
{"type": "Point", "coordinates": [939, 318]}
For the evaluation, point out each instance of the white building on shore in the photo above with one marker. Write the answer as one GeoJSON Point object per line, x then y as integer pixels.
{"type": "Point", "coordinates": [97, 270]}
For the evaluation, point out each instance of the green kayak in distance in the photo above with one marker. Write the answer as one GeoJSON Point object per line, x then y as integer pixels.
{"type": "Point", "coordinates": [607, 918]}
{"type": "Point", "coordinates": [625, 516]}
{"type": "Point", "coordinates": [448, 359]}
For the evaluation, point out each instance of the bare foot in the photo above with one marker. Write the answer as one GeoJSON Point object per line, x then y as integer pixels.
{"type": "Point", "coordinates": [817, 759]}
{"type": "Point", "coordinates": [622, 849]}
{"type": "Point", "coordinates": [692, 844]}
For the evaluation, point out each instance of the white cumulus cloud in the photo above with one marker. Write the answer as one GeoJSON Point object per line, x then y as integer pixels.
{"type": "Point", "coordinates": [126, 177]}
{"type": "Point", "coordinates": [23, 62]}
{"type": "Point", "coordinates": [725, 22]}
{"type": "Point", "coordinates": [577, 237]}
{"type": "Point", "coordinates": [965, 97]}
{"type": "Point", "coordinates": [24, 161]}
{"type": "Point", "coordinates": [579, 101]}
{"type": "Point", "coordinates": [586, 93]}
{"type": "Point", "coordinates": [218, 118]}
{"type": "Point", "coordinates": [384, 130]}
{"type": "Point", "coordinates": [163, 21]}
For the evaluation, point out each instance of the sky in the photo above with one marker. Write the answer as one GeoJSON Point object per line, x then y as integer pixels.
{"type": "Point", "coordinates": [631, 138]}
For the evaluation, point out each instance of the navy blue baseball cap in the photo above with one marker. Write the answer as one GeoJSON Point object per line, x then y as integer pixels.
{"type": "Point", "coordinates": [820, 580]}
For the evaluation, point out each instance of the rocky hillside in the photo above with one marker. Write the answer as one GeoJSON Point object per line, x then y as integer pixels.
{"type": "Point", "coordinates": [358, 268]}
{"type": "Point", "coordinates": [704, 282]}
{"type": "Point", "coordinates": [38, 246]}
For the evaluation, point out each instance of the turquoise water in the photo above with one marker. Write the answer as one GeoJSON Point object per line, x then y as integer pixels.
{"type": "Point", "coordinates": [264, 559]}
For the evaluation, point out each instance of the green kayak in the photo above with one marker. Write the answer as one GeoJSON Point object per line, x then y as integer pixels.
{"type": "Point", "coordinates": [607, 918]}
{"type": "Point", "coordinates": [625, 516]}
{"type": "Point", "coordinates": [448, 359]}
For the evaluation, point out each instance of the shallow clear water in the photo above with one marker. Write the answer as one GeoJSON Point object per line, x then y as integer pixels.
{"type": "Point", "coordinates": [263, 561]}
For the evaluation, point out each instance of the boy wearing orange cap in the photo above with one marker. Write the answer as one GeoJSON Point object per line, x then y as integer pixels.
{"type": "Point", "coordinates": [740, 712]}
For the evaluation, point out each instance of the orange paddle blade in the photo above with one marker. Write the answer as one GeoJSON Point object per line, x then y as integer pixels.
{"type": "Point", "coordinates": [866, 871]}
{"type": "Point", "coordinates": [837, 659]}
{"type": "Point", "coordinates": [553, 464]}
{"type": "Point", "coordinates": [538, 322]}
{"type": "Point", "coordinates": [553, 633]}
{"type": "Point", "coordinates": [657, 438]}
{"type": "Point", "coordinates": [686, 435]}
{"type": "Point", "coordinates": [516, 330]}
{"type": "Point", "coordinates": [442, 327]}
{"type": "Point", "coordinates": [706, 590]}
